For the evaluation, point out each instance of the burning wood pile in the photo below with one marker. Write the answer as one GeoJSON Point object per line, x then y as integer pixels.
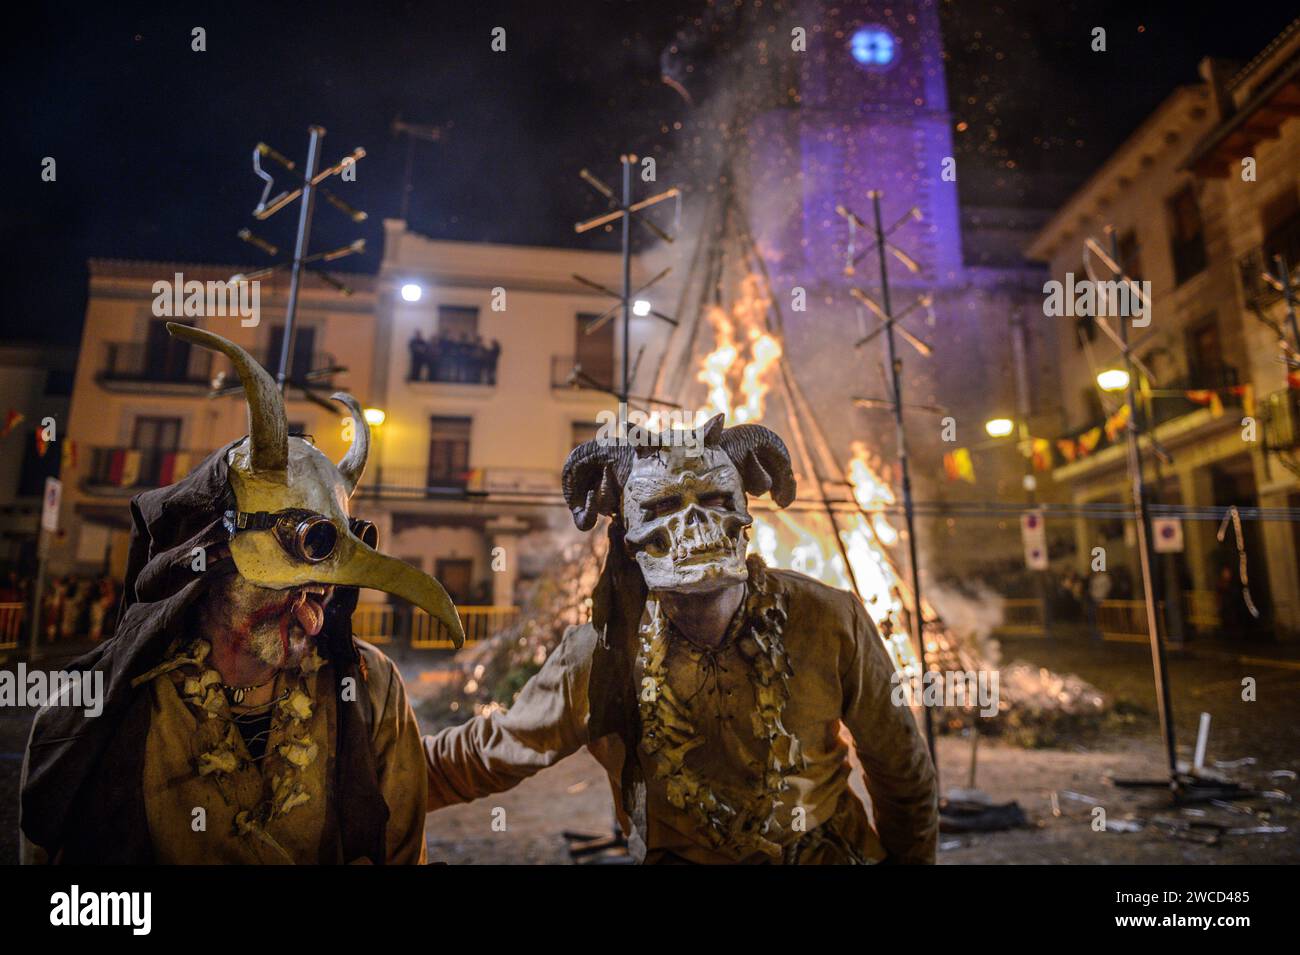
{"type": "Point", "coordinates": [839, 532]}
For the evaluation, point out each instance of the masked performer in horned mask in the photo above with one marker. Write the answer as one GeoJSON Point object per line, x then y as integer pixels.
{"type": "Point", "coordinates": [242, 721]}
{"type": "Point", "coordinates": [711, 688]}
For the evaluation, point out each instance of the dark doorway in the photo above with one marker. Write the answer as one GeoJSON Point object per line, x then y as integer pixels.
{"type": "Point", "coordinates": [456, 576]}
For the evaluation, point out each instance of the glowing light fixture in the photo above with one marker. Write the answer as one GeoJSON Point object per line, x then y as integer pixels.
{"type": "Point", "coordinates": [375, 416]}
{"type": "Point", "coordinates": [412, 292]}
{"type": "Point", "coordinates": [1112, 379]}
{"type": "Point", "coordinates": [999, 427]}
{"type": "Point", "coordinates": [873, 46]}
{"type": "Point", "coordinates": [641, 308]}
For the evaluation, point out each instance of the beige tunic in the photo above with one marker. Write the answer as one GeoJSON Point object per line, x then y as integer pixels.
{"type": "Point", "coordinates": [307, 833]}
{"type": "Point", "coordinates": [841, 682]}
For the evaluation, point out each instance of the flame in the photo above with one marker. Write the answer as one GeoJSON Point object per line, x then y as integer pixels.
{"type": "Point", "coordinates": [737, 376]}
{"type": "Point", "coordinates": [745, 358]}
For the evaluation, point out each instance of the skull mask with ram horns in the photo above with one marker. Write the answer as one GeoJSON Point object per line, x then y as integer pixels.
{"type": "Point", "coordinates": [682, 502]}
{"type": "Point", "coordinates": [291, 527]}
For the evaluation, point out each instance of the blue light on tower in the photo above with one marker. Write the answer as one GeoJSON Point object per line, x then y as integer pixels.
{"type": "Point", "coordinates": [873, 47]}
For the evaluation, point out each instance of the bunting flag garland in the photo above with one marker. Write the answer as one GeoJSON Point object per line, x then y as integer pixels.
{"type": "Point", "coordinates": [1088, 441]}
{"type": "Point", "coordinates": [1116, 423]}
{"type": "Point", "coordinates": [957, 466]}
{"type": "Point", "coordinates": [12, 420]}
{"type": "Point", "coordinates": [1042, 454]}
{"type": "Point", "coordinates": [41, 444]}
{"type": "Point", "coordinates": [68, 462]}
{"type": "Point", "coordinates": [130, 473]}
{"type": "Point", "coordinates": [1204, 396]}
{"type": "Point", "coordinates": [1246, 393]}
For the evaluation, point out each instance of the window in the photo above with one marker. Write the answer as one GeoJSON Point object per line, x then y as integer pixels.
{"type": "Point", "coordinates": [1186, 235]}
{"type": "Point", "coordinates": [449, 452]}
{"type": "Point", "coordinates": [455, 574]}
{"type": "Point", "coordinates": [304, 343]}
{"type": "Point", "coordinates": [594, 351]}
{"type": "Point", "coordinates": [1281, 221]}
{"type": "Point", "coordinates": [1130, 255]}
{"type": "Point", "coordinates": [156, 439]}
{"type": "Point", "coordinates": [165, 358]}
{"type": "Point", "coordinates": [580, 432]}
{"type": "Point", "coordinates": [161, 433]}
{"type": "Point", "coordinates": [1205, 355]}
{"type": "Point", "coordinates": [459, 323]}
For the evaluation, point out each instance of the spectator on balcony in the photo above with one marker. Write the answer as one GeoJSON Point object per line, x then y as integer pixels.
{"type": "Point", "coordinates": [421, 358]}
{"type": "Point", "coordinates": [490, 356]}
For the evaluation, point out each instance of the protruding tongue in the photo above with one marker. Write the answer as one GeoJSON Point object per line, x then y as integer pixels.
{"type": "Point", "coordinates": [310, 614]}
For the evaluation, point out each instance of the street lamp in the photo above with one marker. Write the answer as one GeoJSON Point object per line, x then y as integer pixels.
{"type": "Point", "coordinates": [374, 416]}
{"type": "Point", "coordinates": [1113, 380]}
{"type": "Point", "coordinates": [412, 292]}
{"type": "Point", "coordinates": [641, 308]}
{"type": "Point", "coordinates": [999, 427]}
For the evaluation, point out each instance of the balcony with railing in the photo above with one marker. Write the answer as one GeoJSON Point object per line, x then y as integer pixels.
{"type": "Point", "coordinates": [1170, 400]}
{"type": "Point", "coordinates": [567, 372]}
{"type": "Point", "coordinates": [130, 470]}
{"type": "Point", "coordinates": [453, 361]}
{"type": "Point", "coordinates": [1211, 389]}
{"type": "Point", "coordinates": [415, 483]}
{"type": "Point", "coordinates": [137, 363]}
{"type": "Point", "coordinates": [1254, 265]}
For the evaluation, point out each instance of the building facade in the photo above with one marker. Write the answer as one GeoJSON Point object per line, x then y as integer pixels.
{"type": "Point", "coordinates": [1195, 202]}
{"type": "Point", "coordinates": [490, 377]}
{"type": "Point", "coordinates": [141, 413]}
{"type": "Point", "coordinates": [35, 386]}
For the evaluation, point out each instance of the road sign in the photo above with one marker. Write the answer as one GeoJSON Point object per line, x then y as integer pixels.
{"type": "Point", "coordinates": [1167, 533]}
{"type": "Point", "coordinates": [50, 507]}
{"type": "Point", "coordinates": [1033, 533]}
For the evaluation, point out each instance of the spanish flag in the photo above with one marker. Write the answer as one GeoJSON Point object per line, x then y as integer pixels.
{"type": "Point", "coordinates": [1042, 454]}
{"type": "Point", "coordinates": [957, 466]}
{"type": "Point", "coordinates": [1116, 423]}
{"type": "Point", "coordinates": [130, 468]}
{"type": "Point", "coordinates": [12, 420]}
{"type": "Point", "coordinates": [1088, 441]}
{"type": "Point", "coordinates": [1246, 393]}
{"type": "Point", "coordinates": [1206, 397]}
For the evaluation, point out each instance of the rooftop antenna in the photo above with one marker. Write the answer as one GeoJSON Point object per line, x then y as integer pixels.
{"type": "Point", "coordinates": [306, 186]}
{"type": "Point", "coordinates": [890, 323]}
{"type": "Point", "coordinates": [627, 211]}
{"type": "Point", "coordinates": [412, 132]}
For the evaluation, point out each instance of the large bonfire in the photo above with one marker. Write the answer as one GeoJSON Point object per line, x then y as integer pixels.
{"type": "Point", "coordinates": [840, 533]}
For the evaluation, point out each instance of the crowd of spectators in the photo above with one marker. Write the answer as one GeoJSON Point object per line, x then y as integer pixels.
{"type": "Point", "coordinates": [454, 358]}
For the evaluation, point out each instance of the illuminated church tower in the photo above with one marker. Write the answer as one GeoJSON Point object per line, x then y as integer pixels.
{"type": "Point", "coordinates": [871, 113]}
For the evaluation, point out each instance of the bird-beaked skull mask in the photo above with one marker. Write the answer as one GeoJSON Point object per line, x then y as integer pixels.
{"type": "Point", "coordinates": [291, 528]}
{"type": "Point", "coordinates": [682, 501]}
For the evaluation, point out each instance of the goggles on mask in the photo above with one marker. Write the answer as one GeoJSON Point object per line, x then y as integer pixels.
{"type": "Point", "coordinates": [303, 535]}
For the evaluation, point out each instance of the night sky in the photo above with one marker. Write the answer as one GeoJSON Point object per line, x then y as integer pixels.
{"type": "Point", "coordinates": [153, 141]}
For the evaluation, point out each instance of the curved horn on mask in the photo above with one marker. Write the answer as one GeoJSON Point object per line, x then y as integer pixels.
{"type": "Point", "coordinates": [353, 464]}
{"type": "Point", "coordinates": [762, 459]}
{"type": "Point", "coordinates": [593, 480]}
{"type": "Point", "coordinates": [268, 430]}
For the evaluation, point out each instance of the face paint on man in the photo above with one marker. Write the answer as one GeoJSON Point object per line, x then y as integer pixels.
{"type": "Point", "coordinates": [256, 631]}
